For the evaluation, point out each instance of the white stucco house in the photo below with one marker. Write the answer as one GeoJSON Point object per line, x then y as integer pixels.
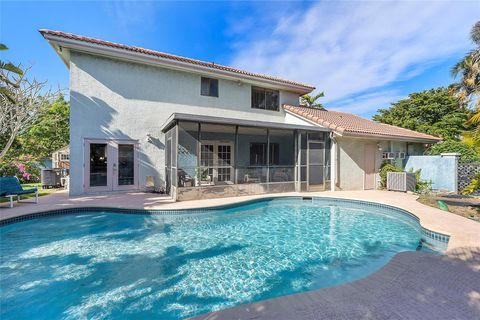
{"type": "Point", "coordinates": [142, 119]}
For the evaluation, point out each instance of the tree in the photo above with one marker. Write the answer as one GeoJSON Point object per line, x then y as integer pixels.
{"type": "Point", "coordinates": [468, 88]}
{"type": "Point", "coordinates": [49, 131]}
{"type": "Point", "coordinates": [467, 153]}
{"type": "Point", "coordinates": [434, 111]}
{"type": "Point", "coordinates": [311, 101]}
{"type": "Point", "coordinates": [20, 101]}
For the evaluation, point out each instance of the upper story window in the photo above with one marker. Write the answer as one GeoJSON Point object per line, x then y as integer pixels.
{"type": "Point", "coordinates": [209, 87]}
{"type": "Point", "coordinates": [265, 99]}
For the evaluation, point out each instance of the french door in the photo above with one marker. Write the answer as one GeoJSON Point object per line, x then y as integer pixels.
{"type": "Point", "coordinates": [216, 162]}
{"type": "Point", "coordinates": [110, 165]}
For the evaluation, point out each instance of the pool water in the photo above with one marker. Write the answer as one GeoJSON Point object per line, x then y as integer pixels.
{"type": "Point", "coordinates": [114, 266]}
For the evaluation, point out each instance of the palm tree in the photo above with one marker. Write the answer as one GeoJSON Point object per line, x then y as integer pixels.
{"type": "Point", "coordinates": [468, 88]}
{"type": "Point", "coordinates": [469, 70]}
{"type": "Point", "coordinates": [311, 101]}
{"type": "Point", "coordinates": [7, 69]}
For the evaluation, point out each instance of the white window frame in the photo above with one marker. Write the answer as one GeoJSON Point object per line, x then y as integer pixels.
{"type": "Point", "coordinates": [216, 166]}
{"type": "Point", "coordinates": [112, 165]}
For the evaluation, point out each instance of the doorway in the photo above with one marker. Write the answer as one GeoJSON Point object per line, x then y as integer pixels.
{"type": "Point", "coordinates": [369, 156]}
{"type": "Point", "coordinates": [216, 162]}
{"type": "Point", "coordinates": [316, 166]}
{"type": "Point", "coordinates": [110, 165]}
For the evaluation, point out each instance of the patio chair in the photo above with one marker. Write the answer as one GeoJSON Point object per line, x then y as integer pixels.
{"type": "Point", "coordinates": [11, 187]}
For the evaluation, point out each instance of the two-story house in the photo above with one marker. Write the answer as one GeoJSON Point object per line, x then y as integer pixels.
{"type": "Point", "coordinates": [142, 118]}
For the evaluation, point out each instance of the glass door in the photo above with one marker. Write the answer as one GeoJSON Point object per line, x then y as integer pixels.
{"type": "Point", "coordinates": [125, 166]}
{"type": "Point", "coordinates": [224, 163]}
{"type": "Point", "coordinates": [98, 163]}
{"type": "Point", "coordinates": [216, 163]}
{"type": "Point", "coordinates": [315, 166]}
{"type": "Point", "coordinates": [110, 165]}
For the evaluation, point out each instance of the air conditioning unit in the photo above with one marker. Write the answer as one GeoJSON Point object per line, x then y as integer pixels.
{"type": "Point", "coordinates": [401, 155]}
{"type": "Point", "coordinates": [391, 155]}
{"type": "Point", "coordinates": [401, 181]}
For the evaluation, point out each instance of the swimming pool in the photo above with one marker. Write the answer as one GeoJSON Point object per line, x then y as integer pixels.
{"type": "Point", "coordinates": [107, 265]}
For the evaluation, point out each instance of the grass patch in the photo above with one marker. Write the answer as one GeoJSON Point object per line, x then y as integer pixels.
{"type": "Point", "coordinates": [41, 192]}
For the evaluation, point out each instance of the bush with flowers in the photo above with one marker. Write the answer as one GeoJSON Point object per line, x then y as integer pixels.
{"type": "Point", "coordinates": [25, 169]}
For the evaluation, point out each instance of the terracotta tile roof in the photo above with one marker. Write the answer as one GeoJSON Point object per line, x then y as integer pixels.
{"type": "Point", "coordinates": [172, 57]}
{"type": "Point", "coordinates": [352, 125]}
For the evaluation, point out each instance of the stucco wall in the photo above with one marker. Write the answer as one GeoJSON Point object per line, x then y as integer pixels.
{"type": "Point", "coordinates": [351, 158]}
{"type": "Point", "coordinates": [440, 170]}
{"type": "Point", "coordinates": [122, 100]}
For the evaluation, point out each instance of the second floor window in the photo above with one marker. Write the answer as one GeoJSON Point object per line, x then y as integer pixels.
{"type": "Point", "coordinates": [209, 87]}
{"type": "Point", "coordinates": [265, 99]}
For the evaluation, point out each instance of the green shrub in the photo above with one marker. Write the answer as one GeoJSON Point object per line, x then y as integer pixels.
{"type": "Point", "coordinates": [386, 168]}
{"type": "Point", "coordinates": [25, 169]}
{"type": "Point", "coordinates": [467, 153]}
{"type": "Point", "coordinates": [422, 186]}
{"type": "Point", "coordinates": [474, 185]}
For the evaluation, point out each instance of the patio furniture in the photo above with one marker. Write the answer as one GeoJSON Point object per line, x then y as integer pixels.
{"type": "Point", "coordinates": [11, 187]}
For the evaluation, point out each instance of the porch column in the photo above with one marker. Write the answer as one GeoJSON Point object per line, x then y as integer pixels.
{"type": "Point", "coordinates": [333, 163]}
{"type": "Point", "coordinates": [268, 156]}
{"type": "Point", "coordinates": [235, 156]}
{"type": "Point", "coordinates": [299, 162]}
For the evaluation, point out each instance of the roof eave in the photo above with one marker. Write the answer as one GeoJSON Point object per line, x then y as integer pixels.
{"type": "Point", "coordinates": [178, 116]}
{"type": "Point", "coordinates": [372, 136]}
{"type": "Point", "coordinates": [58, 42]}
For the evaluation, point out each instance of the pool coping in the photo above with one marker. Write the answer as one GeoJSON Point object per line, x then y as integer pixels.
{"type": "Point", "coordinates": [437, 240]}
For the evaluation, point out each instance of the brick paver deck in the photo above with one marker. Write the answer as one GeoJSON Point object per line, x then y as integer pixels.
{"type": "Point", "coordinates": [412, 286]}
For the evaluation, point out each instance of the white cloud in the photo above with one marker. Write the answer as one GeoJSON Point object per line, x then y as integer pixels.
{"type": "Point", "coordinates": [366, 104]}
{"type": "Point", "coordinates": [131, 14]}
{"type": "Point", "coordinates": [348, 49]}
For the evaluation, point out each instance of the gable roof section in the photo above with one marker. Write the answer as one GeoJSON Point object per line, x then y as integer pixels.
{"type": "Point", "coordinates": [348, 124]}
{"type": "Point", "coordinates": [58, 36]}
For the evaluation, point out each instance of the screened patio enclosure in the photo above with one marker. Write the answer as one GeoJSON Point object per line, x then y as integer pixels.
{"type": "Point", "coordinates": [218, 157]}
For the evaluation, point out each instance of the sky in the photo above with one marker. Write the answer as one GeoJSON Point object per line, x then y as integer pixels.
{"type": "Point", "coordinates": [363, 55]}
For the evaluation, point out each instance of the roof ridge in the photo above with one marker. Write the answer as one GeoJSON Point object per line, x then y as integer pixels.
{"type": "Point", "coordinates": [213, 65]}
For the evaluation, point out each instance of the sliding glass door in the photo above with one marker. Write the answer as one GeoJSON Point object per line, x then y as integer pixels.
{"type": "Point", "coordinates": [110, 165]}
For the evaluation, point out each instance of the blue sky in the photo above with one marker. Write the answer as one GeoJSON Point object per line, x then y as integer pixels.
{"type": "Point", "coordinates": [364, 55]}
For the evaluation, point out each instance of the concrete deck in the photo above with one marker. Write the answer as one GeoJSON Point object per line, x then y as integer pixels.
{"type": "Point", "coordinates": [413, 285]}
{"type": "Point", "coordinates": [463, 232]}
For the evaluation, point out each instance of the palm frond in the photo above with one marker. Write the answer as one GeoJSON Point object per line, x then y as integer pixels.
{"type": "Point", "coordinates": [475, 33]}
{"type": "Point", "coordinates": [11, 67]}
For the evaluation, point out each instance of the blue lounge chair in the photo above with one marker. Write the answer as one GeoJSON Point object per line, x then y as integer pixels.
{"type": "Point", "coordinates": [11, 187]}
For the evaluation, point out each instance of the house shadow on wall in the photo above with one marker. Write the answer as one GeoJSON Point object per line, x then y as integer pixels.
{"type": "Point", "coordinates": [136, 81]}
{"type": "Point", "coordinates": [99, 117]}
